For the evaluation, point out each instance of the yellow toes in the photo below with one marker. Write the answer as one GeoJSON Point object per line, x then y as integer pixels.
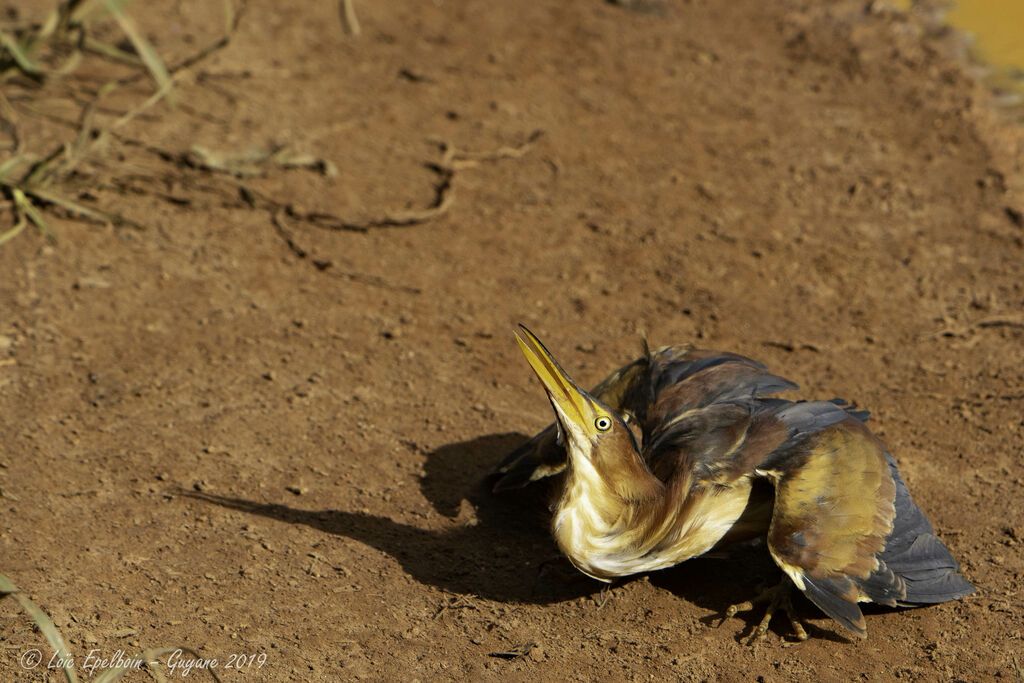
{"type": "Point", "coordinates": [778, 598]}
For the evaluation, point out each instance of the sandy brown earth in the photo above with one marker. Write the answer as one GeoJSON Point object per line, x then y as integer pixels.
{"type": "Point", "coordinates": [252, 428]}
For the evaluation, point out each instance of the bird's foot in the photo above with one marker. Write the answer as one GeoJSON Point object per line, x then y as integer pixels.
{"type": "Point", "coordinates": [778, 596]}
{"type": "Point", "coordinates": [606, 592]}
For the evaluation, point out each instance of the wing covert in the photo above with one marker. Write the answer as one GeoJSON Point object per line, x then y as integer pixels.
{"type": "Point", "coordinates": [834, 509]}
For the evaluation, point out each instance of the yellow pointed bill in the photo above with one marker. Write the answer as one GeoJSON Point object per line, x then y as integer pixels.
{"type": "Point", "coordinates": [569, 400]}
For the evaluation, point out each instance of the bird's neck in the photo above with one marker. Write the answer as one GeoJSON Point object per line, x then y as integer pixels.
{"type": "Point", "coordinates": [606, 508]}
{"type": "Point", "coordinates": [618, 521]}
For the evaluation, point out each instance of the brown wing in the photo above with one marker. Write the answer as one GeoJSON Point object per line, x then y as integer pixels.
{"type": "Point", "coordinates": [845, 529]}
{"type": "Point", "coordinates": [720, 445]}
{"type": "Point", "coordinates": [834, 507]}
{"type": "Point", "coordinates": [701, 379]}
{"type": "Point", "coordinates": [648, 392]}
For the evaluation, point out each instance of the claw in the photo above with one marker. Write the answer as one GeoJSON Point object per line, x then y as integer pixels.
{"type": "Point", "coordinates": [606, 592]}
{"type": "Point", "coordinates": [778, 596]}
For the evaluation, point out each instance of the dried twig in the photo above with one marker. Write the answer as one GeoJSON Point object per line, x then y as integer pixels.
{"type": "Point", "coordinates": [453, 603]}
{"type": "Point", "coordinates": [1001, 321]}
{"type": "Point", "coordinates": [968, 330]}
{"type": "Point", "coordinates": [283, 232]}
{"type": "Point", "coordinates": [349, 18]}
{"type": "Point", "coordinates": [451, 162]}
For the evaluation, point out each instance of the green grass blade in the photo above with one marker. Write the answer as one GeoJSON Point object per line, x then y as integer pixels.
{"type": "Point", "coordinates": [23, 203]}
{"type": "Point", "coordinates": [74, 207]}
{"type": "Point", "coordinates": [230, 17]}
{"type": "Point", "coordinates": [69, 65]}
{"type": "Point", "coordinates": [21, 58]}
{"type": "Point", "coordinates": [44, 168]}
{"type": "Point", "coordinates": [94, 10]}
{"type": "Point", "coordinates": [15, 163]}
{"type": "Point", "coordinates": [50, 25]}
{"type": "Point", "coordinates": [149, 56]}
{"type": "Point", "coordinates": [111, 52]}
{"type": "Point", "coordinates": [69, 205]}
{"type": "Point", "coordinates": [44, 623]}
{"type": "Point", "coordinates": [128, 116]}
{"type": "Point", "coordinates": [13, 232]}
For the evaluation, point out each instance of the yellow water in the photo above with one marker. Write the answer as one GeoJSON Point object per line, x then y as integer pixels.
{"type": "Point", "coordinates": [998, 28]}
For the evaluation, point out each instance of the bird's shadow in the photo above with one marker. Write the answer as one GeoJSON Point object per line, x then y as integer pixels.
{"type": "Point", "coordinates": [500, 548]}
{"type": "Point", "coordinates": [496, 546]}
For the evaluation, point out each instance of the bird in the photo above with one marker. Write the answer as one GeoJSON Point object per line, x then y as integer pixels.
{"type": "Point", "coordinates": [683, 452]}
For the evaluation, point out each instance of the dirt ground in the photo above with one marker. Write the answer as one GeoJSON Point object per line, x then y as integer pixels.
{"type": "Point", "coordinates": [252, 427]}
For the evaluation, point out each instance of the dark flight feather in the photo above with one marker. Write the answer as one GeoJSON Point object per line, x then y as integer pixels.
{"type": "Point", "coordinates": [915, 553]}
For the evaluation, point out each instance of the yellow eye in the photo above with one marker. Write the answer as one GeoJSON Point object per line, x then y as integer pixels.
{"type": "Point", "coordinates": [603, 424]}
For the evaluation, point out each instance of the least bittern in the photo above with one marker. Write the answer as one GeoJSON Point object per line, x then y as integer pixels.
{"type": "Point", "coordinates": [840, 524]}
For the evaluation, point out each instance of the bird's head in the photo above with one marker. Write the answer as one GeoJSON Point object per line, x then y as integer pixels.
{"type": "Point", "coordinates": [593, 433]}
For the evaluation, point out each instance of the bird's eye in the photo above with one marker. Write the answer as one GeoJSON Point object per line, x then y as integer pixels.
{"type": "Point", "coordinates": [603, 424]}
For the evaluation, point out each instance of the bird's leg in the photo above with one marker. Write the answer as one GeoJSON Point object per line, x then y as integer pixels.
{"type": "Point", "coordinates": [777, 596]}
{"type": "Point", "coordinates": [606, 592]}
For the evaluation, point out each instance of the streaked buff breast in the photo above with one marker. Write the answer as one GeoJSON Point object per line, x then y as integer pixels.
{"type": "Point", "coordinates": [605, 538]}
